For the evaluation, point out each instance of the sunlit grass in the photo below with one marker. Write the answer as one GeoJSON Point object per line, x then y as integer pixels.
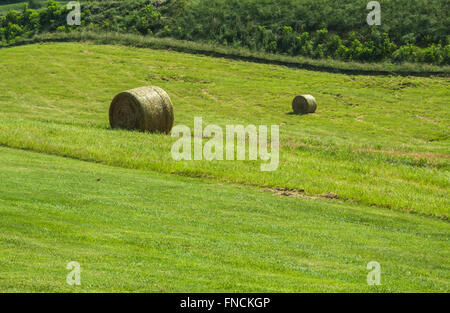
{"type": "Point", "coordinates": [379, 141]}
{"type": "Point", "coordinates": [143, 231]}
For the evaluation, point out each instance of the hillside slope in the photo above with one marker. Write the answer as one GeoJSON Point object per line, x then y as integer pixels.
{"type": "Point", "coordinates": [380, 141]}
{"type": "Point", "coordinates": [140, 231]}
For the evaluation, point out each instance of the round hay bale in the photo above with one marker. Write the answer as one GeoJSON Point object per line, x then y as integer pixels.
{"type": "Point", "coordinates": [146, 109]}
{"type": "Point", "coordinates": [304, 104]}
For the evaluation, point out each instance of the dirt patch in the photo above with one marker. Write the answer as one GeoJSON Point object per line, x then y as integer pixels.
{"type": "Point", "coordinates": [174, 77]}
{"type": "Point", "coordinates": [329, 195]}
{"type": "Point", "coordinates": [299, 193]}
{"type": "Point", "coordinates": [288, 192]}
{"type": "Point", "coordinates": [427, 119]}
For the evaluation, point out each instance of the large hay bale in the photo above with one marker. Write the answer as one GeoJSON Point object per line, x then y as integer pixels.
{"type": "Point", "coordinates": [304, 104]}
{"type": "Point", "coordinates": [146, 108]}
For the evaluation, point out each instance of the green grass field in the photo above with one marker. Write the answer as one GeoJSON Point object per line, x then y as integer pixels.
{"type": "Point", "coordinates": [381, 143]}
{"type": "Point", "coordinates": [143, 231]}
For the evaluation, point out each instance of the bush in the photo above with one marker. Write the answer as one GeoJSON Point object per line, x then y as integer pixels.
{"type": "Point", "coordinates": [410, 53]}
{"type": "Point", "coordinates": [3, 34]}
{"type": "Point", "coordinates": [12, 31]}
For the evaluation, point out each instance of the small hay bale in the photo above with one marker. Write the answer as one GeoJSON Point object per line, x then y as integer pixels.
{"type": "Point", "coordinates": [304, 104]}
{"type": "Point", "coordinates": [146, 109]}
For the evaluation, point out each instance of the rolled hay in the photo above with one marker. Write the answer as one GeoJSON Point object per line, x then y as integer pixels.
{"type": "Point", "coordinates": [146, 109]}
{"type": "Point", "coordinates": [304, 104]}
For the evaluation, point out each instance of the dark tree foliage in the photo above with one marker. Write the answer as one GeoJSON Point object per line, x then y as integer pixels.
{"type": "Point", "coordinates": [411, 30]}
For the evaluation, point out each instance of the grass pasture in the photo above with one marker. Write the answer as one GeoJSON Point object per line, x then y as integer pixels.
{"type": "Point", "coordinates": [371, 136]}
{"type": "Point", "coordinates": [143, 231]}
{"type": "Point", "coordinates": [136, 220]}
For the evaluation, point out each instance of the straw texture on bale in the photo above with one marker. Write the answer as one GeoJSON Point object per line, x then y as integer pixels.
{"type": "Point", "coordinates": [146, 109]}
{"type": "Point", "coordinates": [304, 104]}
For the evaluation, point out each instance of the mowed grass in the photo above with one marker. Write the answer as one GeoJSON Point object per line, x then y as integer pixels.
{"type": "Point", "coordinates": [380, 141]}
{"type": "Point", "coordinates": [135, 230]}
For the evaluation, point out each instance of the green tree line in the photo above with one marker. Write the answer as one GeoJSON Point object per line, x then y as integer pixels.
{"type": "Point", "coordinates": [411, 30]}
